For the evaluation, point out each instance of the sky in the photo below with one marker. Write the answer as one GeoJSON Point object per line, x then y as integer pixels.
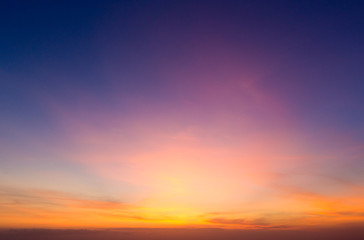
{"type": "Point", "coordinates": [170, 114]}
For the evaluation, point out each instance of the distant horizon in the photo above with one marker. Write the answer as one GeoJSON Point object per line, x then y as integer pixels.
{"type": "Point", "coordinates": [168, 233]}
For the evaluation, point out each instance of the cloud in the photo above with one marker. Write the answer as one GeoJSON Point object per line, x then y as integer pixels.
{"type": "Point", "coordinates": [41, 197]}
{"type": "Point", "coordinates": [234, 219]}
{"type": "Point", "coordinates": [39, 207]}
{"type": "Point", "coordinates": [350, 213]}
{"type": "Point", "coordinates": [237, 221]}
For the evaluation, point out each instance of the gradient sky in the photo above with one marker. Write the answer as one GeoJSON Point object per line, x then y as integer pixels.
{"type": "Point", "coordinates": [228, 114]}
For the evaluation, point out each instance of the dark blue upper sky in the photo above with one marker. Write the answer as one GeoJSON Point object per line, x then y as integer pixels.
{"type": "Point", "coordinates": [313, 49]}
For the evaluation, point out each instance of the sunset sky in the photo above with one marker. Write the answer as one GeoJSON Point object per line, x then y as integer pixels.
{"type": "Point", "coordinates": [169, 114]}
